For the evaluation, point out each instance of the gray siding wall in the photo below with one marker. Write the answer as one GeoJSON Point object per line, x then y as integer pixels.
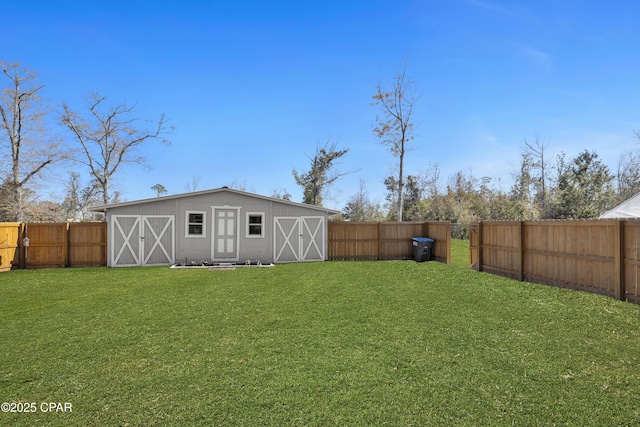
{"type": "Point", "coordinates": [200, 248]}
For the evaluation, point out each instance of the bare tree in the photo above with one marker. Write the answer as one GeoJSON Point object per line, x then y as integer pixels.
{"type": "Point", "coordinates": [29, 149]}
{"type": "Point", "coordinates": [524, 185]}
{"type": "Point", "coordinates": [321, 174]}
{"type": "Point", "coordinates": [241, 186]}
{"type": "Point", "coordinates": [109, 137]}
{"type": "Point", "coordinates": [79, 198]}
{"type": "Point", "coordinates": [627, 175]}
{"type": "Point", "coordinates": [539, 160]}
{"type": "Point", "coordinates": [192, 185]}
{"type": "Point", "coordinates": [361, 208]}
{"type": "Point", "coordinates": [279, 193]}
{"type": "Point", "coordinates": [395, 126]}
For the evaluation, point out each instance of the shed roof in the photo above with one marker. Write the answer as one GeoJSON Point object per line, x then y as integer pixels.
{"type": "Point", "coordinates": [104, 208]}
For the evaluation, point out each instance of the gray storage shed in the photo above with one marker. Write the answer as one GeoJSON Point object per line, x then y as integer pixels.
{"type": "Point", "coordinates": [220, 225]}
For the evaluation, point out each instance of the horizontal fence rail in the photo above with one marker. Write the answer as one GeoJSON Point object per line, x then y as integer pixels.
{"type": "Point", "coordinates": [349, 241]}
{"type": "Point", "coordinates": [598, 256]}
{"type": "Point", "coordinates": [53, 245]}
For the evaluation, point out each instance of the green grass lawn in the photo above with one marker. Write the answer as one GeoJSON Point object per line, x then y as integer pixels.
{"type": "Point", "coordinates": [337, 343]}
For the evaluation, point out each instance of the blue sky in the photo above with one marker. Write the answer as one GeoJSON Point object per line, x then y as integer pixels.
{"type": "Point", "coordinates": [251, 86]}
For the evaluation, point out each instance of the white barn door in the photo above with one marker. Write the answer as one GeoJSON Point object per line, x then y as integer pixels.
{"type": "Point", "coordinates": [158, 237]}
{"type": "Point", "coordinates": [287, 239]}
{"type": "Point", "coordinates": [138, 240]}
{"type": "Point", "coordinates": [299, 239]}
{"type": "Point", "coordinates": [313, 238]}
{"type": "Point", "coordinates": [125, 241]}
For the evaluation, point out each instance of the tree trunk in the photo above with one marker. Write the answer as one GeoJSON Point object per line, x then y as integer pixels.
{"type": "Point", "coordinates": [18, 211]}
{"type": "Point", "coordinates": [105, 191]}
{"type": "Point", "coordinates": [401, 185]}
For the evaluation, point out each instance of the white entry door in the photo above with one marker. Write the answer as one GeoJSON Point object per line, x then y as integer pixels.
{"type": "Point", "coordinates": [138, 240]}
{"type": "Point", "coordinates": [299, 239]}
{"type": "Point", "coordinates": [225, 240]}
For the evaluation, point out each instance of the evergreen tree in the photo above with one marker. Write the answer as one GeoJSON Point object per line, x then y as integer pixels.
{"type": "Point", "coordinates": [585, 188]}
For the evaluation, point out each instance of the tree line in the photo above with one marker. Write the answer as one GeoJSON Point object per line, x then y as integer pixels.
{"type": "Point", "coordinates": [95, 139]}
{"type": "Point", "coordinates": [544, 186]}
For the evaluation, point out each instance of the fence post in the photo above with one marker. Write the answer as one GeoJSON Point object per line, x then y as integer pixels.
{"type": "Point", "coordinates": [448, 234]}
{"type": "Point", "coordinates": [67, 245]}
{"type": "Point", "coordinates": [521, 253]}
{"type": "Point", "coordinates": [379, 240]}
{"type": "Point", "coordinates": [618, 261]}
{"type": "Point", "coordinates": [479, 245]}
{"type": "Point", "coordinates": [21, 249]}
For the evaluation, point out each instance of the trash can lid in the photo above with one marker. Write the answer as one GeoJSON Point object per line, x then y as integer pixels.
{"type": "Point", "coordinates": [422, 239]}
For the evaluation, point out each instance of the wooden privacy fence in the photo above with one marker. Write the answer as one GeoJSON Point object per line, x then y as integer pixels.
{"type": "Point", "coordinates": [599, 256]}
{"type": "Point", "coordinates": [76, 244]}
{"type": "Point", "coordinates": [85, 244]}
{"type": "Point", "coordinates": [386, 240]}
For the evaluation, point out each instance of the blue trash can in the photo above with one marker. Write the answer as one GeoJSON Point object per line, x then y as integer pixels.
{"type": "Point", "coordinates": [422, 248]}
